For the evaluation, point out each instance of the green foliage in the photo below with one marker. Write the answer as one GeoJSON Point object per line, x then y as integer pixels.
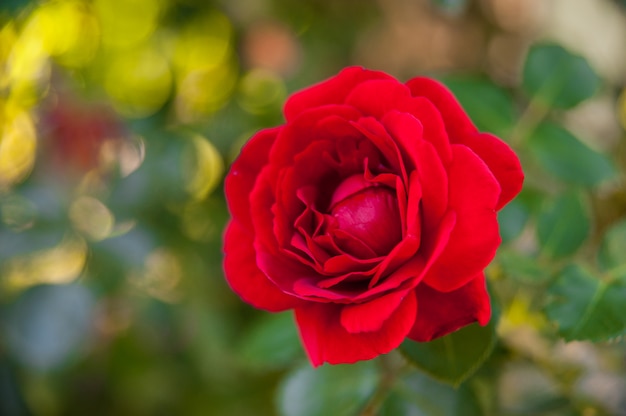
{"type": "Point", "coordinates": [584, 307]}
{"type": "Point", "coordinates": [512, 219]}
{"type": "Point", "coordinates": [611, 255]}
{"type": "Point", "coordinates": [417, 394]}
{"type": "Point", "coordinates": [560, 153]}
{"type": "Point", "coordinates": [524, 269]}
{"type": "Point", "coordinates": [489, 106]}
{"type": "Point", "coordinates": [557, 78]}
{"type": "Point", "coordinates": [454, 357]}
{"type": "Point", "coordinates": [272, 343]}
{"type": "Point", "coordinates": [340, 389]}
{"type": "Point", "coordinates": [48, 324]}
{"type": "Point", "coordinates": [563, 226]}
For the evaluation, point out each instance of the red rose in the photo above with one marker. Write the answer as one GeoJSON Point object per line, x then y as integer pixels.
{"type": "Point", "coordinates": [371, 212]}
{"type": "Point", "coordinates": [76, 131]}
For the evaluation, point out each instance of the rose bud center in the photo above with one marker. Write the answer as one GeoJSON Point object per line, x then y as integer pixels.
{"type": "Point", "coordinates": [369, 212]}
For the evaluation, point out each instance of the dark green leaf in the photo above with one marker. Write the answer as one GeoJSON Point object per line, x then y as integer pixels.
{"type": "Point", "coordinates": [522, 268]}
{"type": "Point", "coordinates": [490, 107]}
{"type": "Point", "coordinates": [272, 343]}
{"type": "Point", "coordinates": [613, 248]}
{"type": "Point", "coordinates": [454, 357]}
{"type": "Point", "coordinates": [328, 390]}
{"type": "Point", "coordinates": [560, 153]}
{"type": "Point", "coordinates": [512, 219]}
{"type": "Point", "coordinates": [563, 226]}
{"type": "Point", "coordinates": [587, 308]}
{"type": "Point", "coordinates": [418, 394]}
{"type": "Point", "coordinates": [557, 77]}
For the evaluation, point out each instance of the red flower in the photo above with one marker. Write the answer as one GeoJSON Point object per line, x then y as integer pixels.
{"type": "Point", "coordinates": [76, 131]}
{"type": "Point", "coordinates": [371, 212]}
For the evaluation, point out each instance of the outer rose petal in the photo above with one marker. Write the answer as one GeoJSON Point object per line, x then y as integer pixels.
{"type": "Point", "coordinates": [370, 316]}
{"type": "Point", "coordinates": [243, 173]}
{"type": "Point", "coordinates": [388, 94]}
{"type": "Point", "coordinates": [502, 162]}
{"type": "Point", "coordinates": [440, 313]}
{"type": "Point", "coordinates": [245, 278]}
{"type": "Point", "coordinates": [331, 91]}
{"type": "Point", "coordinates": [457, 122]}
{"type": "Point", "coordinates": [473, 243]}
{"type": "Point", "coordinates": [325, 340]}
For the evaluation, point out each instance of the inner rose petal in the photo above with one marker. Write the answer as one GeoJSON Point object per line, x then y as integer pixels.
{"type": "Point", "coordinates": [369, 212]}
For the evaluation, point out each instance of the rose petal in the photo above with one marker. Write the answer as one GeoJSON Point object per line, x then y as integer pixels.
{"type": "Point", "coordinates": [243, 174]}
{"type": "Point", "coordinates": [407, 276]}
{"type": "Point", "coordinates": [245, 278]}
{"type": "Point", "coordinates": [320, 123]}
{"type": "Point", "coordinates": [377, 134]}
{"type": "Point", "coordinates": [473, 196]}
{"type": "Point", "coordinates": [458, 124]}
{"type": "Point", "coordinates": [334, 90]}
{"type": "Point", "coordinates": [377, 97]}
{"type": "Point", "coordinates": [502, 162]}
{"type": "Point", "coordinates": [372, 216]}
{"type": "Point", "coordinates": [434, 183]}
{"type": "Point", "coordinates": [422, 120]}
{"type": "Point", "coordinates": [326, 340]}
{"type": "Point", "coordinates": [440, 313]}
{"type": "Point", "coordinates": [370, 316]}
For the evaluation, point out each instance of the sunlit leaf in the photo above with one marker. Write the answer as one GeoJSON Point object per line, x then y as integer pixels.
{"type": "Point", "coordinates": [327, 390]}
{"type": "Point", "coordinates": [563, 226]}
{"type": "Point", "coordinates": [585, 307]}
{"type": "Point", "coordinates": [560, 153]}
{"type": "Point", "coordinates": [557, 77]}
{"type": "Point", "coordinates": [454, 357]}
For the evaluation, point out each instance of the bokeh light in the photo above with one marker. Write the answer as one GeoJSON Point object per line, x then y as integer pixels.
{"type": "Point", "coordinates": [260, 90]}
{"type": "Point", "coordinates": [127, 23]}
{"type": "Point", "coordinates": [18, 143]}
{"type": "Point", "coordinates": [204, 167]}
{"type": "Point", "coordinates": [138, 81]}
{"type": "Point", "coordinates": [60, 264]}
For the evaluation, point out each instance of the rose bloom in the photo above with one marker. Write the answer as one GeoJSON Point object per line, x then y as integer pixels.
{"type": "Point", "coordinates": [75, 131]}
{"type": "Point", "coordinates": [371, 213]}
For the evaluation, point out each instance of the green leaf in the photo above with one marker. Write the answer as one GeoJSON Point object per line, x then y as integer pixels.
{"type": "Point", "coordinates": [417, 394]}
{"type": "Point", "coordinates": [48, 323]}
{"type": "Point", "coordinates": [611, 255]}
{"type": "Point", "coordinates": [272, 343]}
{"type": "Point", "coordinates": [557, 77]}
{"type": "Point", "coordinates": [512, 219]}
{"type": "Point", "coordinates": [585, 307]}
{"type": "Point", "coordinates": [560, 153]}
{"type": "Point", "coordinates": [454, 357]}
{"type": "Point", "coordinates": [454, 7]}
{"type": "Point", "coordinates": [328, 390]}
{"type": "Point", "coordinates": [490, 107]}
{"type": "Point", "coordinates": [563, 226]}
{"type": "Point", "coordinates": [522, 268]}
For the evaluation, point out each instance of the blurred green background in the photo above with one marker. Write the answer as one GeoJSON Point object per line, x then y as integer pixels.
{"type": "Point", "coordinates": [118, 119]}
